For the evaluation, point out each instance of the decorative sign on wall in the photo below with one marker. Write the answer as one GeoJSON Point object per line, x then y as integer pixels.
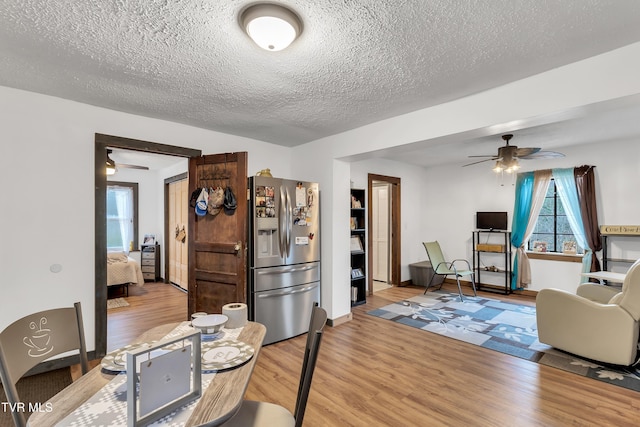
{"type": "Point", "coordinates": [620, 229]}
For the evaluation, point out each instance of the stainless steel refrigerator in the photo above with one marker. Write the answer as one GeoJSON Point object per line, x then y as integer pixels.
{"type": "Point", "coordinates": [284, 255]}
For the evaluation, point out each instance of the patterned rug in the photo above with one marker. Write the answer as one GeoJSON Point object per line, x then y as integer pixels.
{"type": "Point", "coordinates": [498, 325]}
{"type": "Point", "coordinates": [116, 303]}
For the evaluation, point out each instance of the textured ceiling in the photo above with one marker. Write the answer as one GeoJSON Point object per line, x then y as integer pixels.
{"type": "Point", "coordinates": [357, 61]}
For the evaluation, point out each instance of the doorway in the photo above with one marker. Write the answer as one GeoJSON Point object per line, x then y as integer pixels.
{"type": "Point", "coordinates": [100, 157]}
{"type": "Point", "coordinates": [384, 232]}
{"type": "Point", "coordinates": [381, 242]}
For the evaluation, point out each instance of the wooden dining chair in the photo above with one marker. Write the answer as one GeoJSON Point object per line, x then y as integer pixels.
{"type": "Point", "coordinates": [34, 339]}
{"type": "Point", "coordinates": [255, 414]}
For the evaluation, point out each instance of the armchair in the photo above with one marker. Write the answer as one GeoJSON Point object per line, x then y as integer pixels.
{"type": "Point", "coordinates": [596, 323]}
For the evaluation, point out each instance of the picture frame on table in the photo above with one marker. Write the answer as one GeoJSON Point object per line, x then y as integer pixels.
{"type": "Point", "coordinates": [539, 246]}
{"type": "Point", "coordinates": [569, 247]}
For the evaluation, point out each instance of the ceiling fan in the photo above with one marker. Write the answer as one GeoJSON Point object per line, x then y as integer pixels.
{"type": "Point", "coordinates": [111, 165]}
{"type": "Point", "coordinates": [508, 155]}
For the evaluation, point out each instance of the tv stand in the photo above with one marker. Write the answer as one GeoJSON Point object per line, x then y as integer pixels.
{"type": "Point", "coordinates": [498, 254]}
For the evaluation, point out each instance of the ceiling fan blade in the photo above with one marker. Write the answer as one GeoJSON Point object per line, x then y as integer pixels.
{"type": "Point", "coordinates": [525, 151]}
{"type": "Point", "coordinates": [543, 155]}
{"type": "Point", "coordinates": [121, 165]}
{"type": "Point", "coordinates": [480, 161]}
{"type": "Point", "coordinates": [485, 155]}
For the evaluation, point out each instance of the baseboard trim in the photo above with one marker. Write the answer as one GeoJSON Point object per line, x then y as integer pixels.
{"type": "Point", "coordinates": [467, 284]}
{"type": "Point", "coordinates": [340, 320]}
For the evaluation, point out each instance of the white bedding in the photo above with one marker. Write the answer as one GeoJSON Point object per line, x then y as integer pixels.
{"type": "Point", "coordinates": [122, 269]}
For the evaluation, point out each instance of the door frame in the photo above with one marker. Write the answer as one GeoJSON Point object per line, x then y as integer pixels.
{"type": "Point", "coordinates": [394, 228]}
{"type": "Point", "coordinates": [103, 141]}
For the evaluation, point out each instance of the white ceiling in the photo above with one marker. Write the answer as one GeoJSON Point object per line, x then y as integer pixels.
{"type": "Point", "coordinates": [357, 61]}
{"type": "Point", "coordinates": [154, 162]}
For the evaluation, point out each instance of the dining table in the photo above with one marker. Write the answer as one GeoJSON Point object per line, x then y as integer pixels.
{"type": "Point", "coordinates": [219, 401]}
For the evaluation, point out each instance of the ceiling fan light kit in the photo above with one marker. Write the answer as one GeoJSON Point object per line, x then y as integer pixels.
{"type": "Point", "coordinates": [510, 167]}
{"type": "Point", "coordinates": [112, 167]}
{"type": "Point", "coordinates": [271, 26]}
{"type": "Point", "coordinates": [110, 164]}
{"type": "Point", "coordinates": [507, 159]}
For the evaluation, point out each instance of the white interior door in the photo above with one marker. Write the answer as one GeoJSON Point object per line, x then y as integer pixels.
{"type": "Point", "coordinates": [381, 216]}
{"type": "Point", "coordinates": [184, 221]}
{"type": "Point", "coordinates": [178, 219]}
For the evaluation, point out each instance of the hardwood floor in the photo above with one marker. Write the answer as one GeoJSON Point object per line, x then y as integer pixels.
{"type": "Point", "coordinates": [150, 305]}
{"type": "Point", "coordinates": [373, 372]}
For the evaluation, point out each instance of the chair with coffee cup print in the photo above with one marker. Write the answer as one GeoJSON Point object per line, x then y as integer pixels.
{"type": "Point", "coordinates": [36, 338]}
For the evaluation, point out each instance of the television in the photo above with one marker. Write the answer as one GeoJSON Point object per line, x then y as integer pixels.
{"type": "Point", "coordinates": [491, 221]}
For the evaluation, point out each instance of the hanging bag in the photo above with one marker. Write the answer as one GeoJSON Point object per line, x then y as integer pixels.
{"type": "Point", "coordinates": [230, 203]}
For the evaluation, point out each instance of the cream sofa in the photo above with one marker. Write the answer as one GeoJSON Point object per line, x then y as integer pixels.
{"type": "Point", "coordinates": [598, 322]}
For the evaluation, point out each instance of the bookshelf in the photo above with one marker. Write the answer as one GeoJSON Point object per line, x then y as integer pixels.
{"type": "Point", "coordinates": [358, 227]}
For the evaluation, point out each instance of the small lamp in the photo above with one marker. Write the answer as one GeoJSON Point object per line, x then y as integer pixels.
{"type": "Point", "coordinates": [270, 26]}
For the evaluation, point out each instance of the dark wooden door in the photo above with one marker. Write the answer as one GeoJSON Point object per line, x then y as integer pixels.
{"type": "Point", "coordinates": [217, 243]}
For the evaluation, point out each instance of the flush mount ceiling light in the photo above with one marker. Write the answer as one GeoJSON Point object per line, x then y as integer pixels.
{"type": "Point", "coordinates": [271, 26]}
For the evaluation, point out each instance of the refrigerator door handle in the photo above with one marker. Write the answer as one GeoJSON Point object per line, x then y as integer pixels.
{"type": "Point", "coordinates": [282, 223]}
{"type": "Point", "coordinates": [286, 270]}
{"type": "Point", "coordinates": [289, 221]}
{"type": "Point", "coordinates": [279, 294]}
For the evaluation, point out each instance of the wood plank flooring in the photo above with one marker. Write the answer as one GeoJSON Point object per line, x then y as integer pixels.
{"type": "Point", "coordinates": [150, 305]}
{"type": "Point", "coordinates": [373, 372]}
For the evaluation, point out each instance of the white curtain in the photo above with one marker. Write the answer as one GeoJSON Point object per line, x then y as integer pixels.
{"type": "Point", "coordinates": [123, 197]}
{"type": "Point", "coordinates": [566, 184]}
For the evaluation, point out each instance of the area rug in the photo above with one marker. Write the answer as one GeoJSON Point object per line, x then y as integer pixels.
{"type": "Point", "coordinates": [35, 390]}
{"type": "Point", "coordinates": [116, 303]}
{"type": "Point", "coordinates": [497, 325]}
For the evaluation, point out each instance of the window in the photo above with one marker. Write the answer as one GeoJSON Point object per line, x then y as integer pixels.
{"type": "Point", "coordinates": [122, 216]}
{"type": "Point", "coordinates": [552, 232]}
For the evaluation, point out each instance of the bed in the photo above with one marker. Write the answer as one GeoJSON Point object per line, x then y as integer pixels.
{"type": "Point", "coordinates": [122, 271]}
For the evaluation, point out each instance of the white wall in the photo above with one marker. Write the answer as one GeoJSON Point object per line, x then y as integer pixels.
{"type": "Point", "coordinates": [48, 194]}
{"type": "Point", "coordinates": [150, 200]}
{"type": "Point", "coordinates": [414, 195]}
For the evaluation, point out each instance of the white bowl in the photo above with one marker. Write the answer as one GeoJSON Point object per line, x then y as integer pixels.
{"type": "Point", "coordinates": [210, 324]}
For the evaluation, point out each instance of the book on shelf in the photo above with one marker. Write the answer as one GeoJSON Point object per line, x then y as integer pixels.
{"type": "Point", "coordinates": [356, 244]}
{"type": "Point", "coordinates": [354, 223]}
{"type": "Point", "coordinates": [356, 273]}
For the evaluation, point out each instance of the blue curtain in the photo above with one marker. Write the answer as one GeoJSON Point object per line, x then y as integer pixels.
{"type": "Point", "coordinates": [568, 192]}
{"type": "Point", "coordinates": [521, 213]}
